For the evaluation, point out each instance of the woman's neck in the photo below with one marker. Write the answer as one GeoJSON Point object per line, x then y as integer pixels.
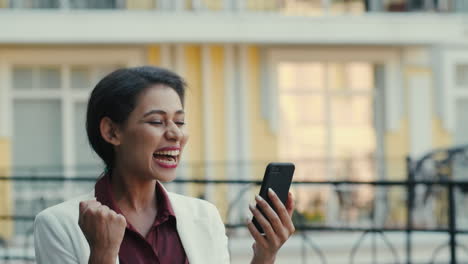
{"type": "Point", "coordinates": [133, 193]}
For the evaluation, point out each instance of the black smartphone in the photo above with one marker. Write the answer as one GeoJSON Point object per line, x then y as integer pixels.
{"type": "Point", "coordinates": [278, 177]}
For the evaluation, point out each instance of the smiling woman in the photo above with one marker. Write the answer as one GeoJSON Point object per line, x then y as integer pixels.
{"type": "Point", "coordinates": [136, 124]}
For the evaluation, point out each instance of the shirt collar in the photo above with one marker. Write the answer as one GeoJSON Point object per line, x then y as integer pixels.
{"type": "Point", "coordinates": [103, 193]}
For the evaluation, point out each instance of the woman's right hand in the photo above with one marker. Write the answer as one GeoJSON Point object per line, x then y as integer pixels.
{"type": "Point", "coordinates": [103, 228]}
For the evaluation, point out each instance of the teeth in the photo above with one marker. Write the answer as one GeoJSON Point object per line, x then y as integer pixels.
{"type": "Point", "coordinates": [168, 152]}
{"type": "Point", "coordinates": [168, 162]}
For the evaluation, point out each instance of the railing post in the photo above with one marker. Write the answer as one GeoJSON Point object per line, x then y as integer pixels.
{"type": "Point", "coordinates": [409, 207]}
{"type": "Point", "coordinates": [452, 223]}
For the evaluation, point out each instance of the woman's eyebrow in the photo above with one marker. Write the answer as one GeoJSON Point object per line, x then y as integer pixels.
{"type": "Point", "coordinates": [161, 112]}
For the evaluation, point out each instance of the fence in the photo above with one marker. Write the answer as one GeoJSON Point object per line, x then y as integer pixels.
{"type": "Point", "coordinates": [290, 7]}
{"type": "Point", "coordinates": [431, 184]}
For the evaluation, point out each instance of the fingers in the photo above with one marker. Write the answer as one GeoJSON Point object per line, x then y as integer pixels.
{"type": "Point", "coordinates": [121, 219]}
{"type": "Point", "coordinates": [84, 205]}
{"type": "Point", "coordinates": [263, 222]}
{"type": "Point", "coordinates": [95, 208]}
{"type": "Point", "coordinates": [284, 213]}
{"type": "Point", "coordinates": [84, 208]}
{"type": "Point", "coordinates": [273, 218]}
{"type": "Point", "coordinates": [256, 234]}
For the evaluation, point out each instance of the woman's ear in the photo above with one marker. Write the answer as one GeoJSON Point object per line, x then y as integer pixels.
{"type": "Point", "coordinates": [109, 131]}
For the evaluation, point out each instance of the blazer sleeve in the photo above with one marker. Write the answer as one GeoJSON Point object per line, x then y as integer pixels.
{"type": "Point", "coordinates": [221, 238]}
{"type": "Point", "coordinates": [51, 242]}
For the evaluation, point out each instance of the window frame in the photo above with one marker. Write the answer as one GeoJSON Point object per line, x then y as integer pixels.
{"type": "Point", "coordinates": [451, 92]}
{"type": "Point", "coordinates": [67, 96]}
{"type": "Point", "coordinates": [390, 98]}
{"type": "Point", "coordinates": [388, 78]}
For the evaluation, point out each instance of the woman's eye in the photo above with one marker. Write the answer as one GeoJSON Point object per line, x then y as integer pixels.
{"type": "Point", "coordinates": [156, 122]}
{"type": "Point", "coordinates": [180, 123]}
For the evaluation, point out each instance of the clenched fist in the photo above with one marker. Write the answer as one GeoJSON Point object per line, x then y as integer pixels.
{"type": "Point", "coordinates": [103, 228]}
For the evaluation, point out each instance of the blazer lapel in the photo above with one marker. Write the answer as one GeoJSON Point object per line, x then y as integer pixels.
{"type": "Point", "coordinates": [193, 232]}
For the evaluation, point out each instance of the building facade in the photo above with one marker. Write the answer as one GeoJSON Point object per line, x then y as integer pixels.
{"type": "Point", "coordinates": [345, 89]}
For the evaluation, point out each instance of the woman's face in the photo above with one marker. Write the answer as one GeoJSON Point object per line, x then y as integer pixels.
{"type": "Point", "coordinates": [154, 135]}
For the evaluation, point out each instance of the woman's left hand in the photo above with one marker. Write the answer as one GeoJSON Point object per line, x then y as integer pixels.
{"type": "Point", "coordinates": [277, 225]}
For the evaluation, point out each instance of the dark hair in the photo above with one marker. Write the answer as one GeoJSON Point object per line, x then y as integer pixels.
{"type": "Point", "coordinates": [115, 97]}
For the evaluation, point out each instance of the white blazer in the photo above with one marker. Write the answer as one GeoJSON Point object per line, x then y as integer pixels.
{"type": "Point", "coordinates": [58, 238]}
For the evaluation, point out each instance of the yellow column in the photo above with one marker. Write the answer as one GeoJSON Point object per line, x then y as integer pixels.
{"type": "Point", "coordinates": [441, 138]}
{"type": "Point", "coordinates": [154, 55]}
{"type": "Point", "coordinates": [194, 114]}
{"type": "Point", "coordinates": [213, 5]}
{"type": "Point", "coordinates": [264, 143]}
{"type": "Point", "coordinates": [397, 143]}
{"type": "Point", "coordinates": [140, 4]}
{"type": "Point", "coordinates": [396, 150]}
{"type": "Point", "coordinates": [6, 226]}
{"type": "Point", "coordinates": [268, 5]}
{"type": "Point", "coordinates": [218, 125]}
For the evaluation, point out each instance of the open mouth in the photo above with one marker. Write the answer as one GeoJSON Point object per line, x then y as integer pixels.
{"type": "Point", "coordinates": [167, 158]}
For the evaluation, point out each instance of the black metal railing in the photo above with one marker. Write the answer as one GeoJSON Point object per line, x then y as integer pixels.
{"type": "Point", "coordinates": [435, 177]}
{"type": "Point", "coordinates": [305, 229]}
{"type": "Point", "coordinates": [290, 7]}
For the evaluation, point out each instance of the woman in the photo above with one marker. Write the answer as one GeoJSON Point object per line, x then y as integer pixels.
{"type": "Point", "coordinates": [136, 124]}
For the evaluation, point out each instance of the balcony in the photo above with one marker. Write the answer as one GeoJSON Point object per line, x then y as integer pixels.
{"type": "Point", "coordinates": [285, 7]}
{"type": "Point", "coordinates": [368, 22]}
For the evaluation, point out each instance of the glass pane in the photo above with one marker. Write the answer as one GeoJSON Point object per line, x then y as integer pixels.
{"type": "Point", "coordinates": [461, 131]}
{"type": "Point", "coordinates": [310, 7]}
{"type": "Point", "coordinates": [303, 134]}
{"type": "Point", "coordinates": [353, 137]}
{"type": "Point", "coordinates": [81, 77]}
{"type": "Point", "coordinates": [310, 75]}
{"type": "Point", "coordinates": [214, 5]}
{"type": "Point", "coordinates": [93, 4]}
{"type": "Point", "coordinates": [37, 139]}
{"type": "Point", "coordinates": [22, 77]}
{"type": "Point", "coordinates": [37, 151]}
{"type": "Point", "coordinates": [286, 76]}
{"type": "Point", "coordinates": [49, 78]}
{"type": "Point", "coordinates": [301, 76]}
{"type": "Point", "coordinates": [352, 110]}
{"type": "Point", "coordinates": [353, 152]}
{"type": "Point", "coordinates": [337, 77]}
{"type": "Point", "coordinates": [348, 6]}
{"type": "Point", "coordinates": [87, 162]}
{"type": "Point", "coordinates": [460, 6]}
{"type": "Point", "coordinates": [303, 143]}
{"type": "Point", "coordinates": [461, 75]}
{"type": "Point", "coordinates": [302, 139]}
{"type": "Point", "coordinates": [35, 3]}
{"type": "Point", "coordinates": [103, 70]}
{"type": "Point", "coordinates": [303, 109]}
{"type": "Point", "coordinates": [360, 76]}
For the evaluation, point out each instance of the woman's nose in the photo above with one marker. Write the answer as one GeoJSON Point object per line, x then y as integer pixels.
{"type": "Point", "coordinates": [173, 132]}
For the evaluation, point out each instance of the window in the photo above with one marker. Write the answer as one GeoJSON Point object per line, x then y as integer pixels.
{"type": "Point", "coordinates": [93, 4]}
{"type": "Point", "coordinates": [35, 3]}
{"type": "Point", "coordinates": [327, 116]}
{"type": "Point", "coordinates": [460, 101]}
{"type": "Point", "coordinates": [461, 76]}
{"type": "Point", "coordinates": [49, 135]}
{"type": "Point", "coordinates": [461, 133]}
{"type": "Point", "coordinates": [328, 127]}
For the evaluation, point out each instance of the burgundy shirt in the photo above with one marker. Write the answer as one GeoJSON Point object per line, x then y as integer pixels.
{"type": "Point", "coordinates": [162, 243]}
